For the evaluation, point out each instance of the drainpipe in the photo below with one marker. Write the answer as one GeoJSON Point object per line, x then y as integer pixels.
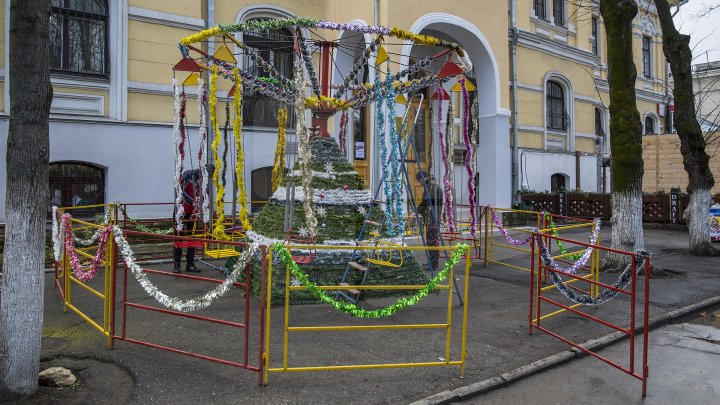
{"type": "Point", "coordinates": [513, 66]}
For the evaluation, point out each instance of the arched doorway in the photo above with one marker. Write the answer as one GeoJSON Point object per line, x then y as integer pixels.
{"type": "Point", "coordinates": [77, 183]}
{"type": "Point", "coordinates": [493, 150]}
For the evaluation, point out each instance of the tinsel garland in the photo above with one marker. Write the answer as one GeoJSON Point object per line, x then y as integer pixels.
{"type": "Point", "coordinates": [99, 219]}
{"type": "Point", "coordinates": [240, 163]}
{"type": "Point", "coordinates": [396, 159]}
{"type": "Point", "coordinates": [586, 299]}
{"type": "Point", "coordinates": [175, 303]}
{"type": "Point", "coordinates": [178, 183]}
{"type": "Point", "coordinates": [506, 234]}
{"type": "Point", "coordinates": [360, 63]}
{"type": "Point", "coordinates": [218, 229]}
{"type": "Point", "coordinates": [583, 258]}
{"type": "Point", "coordinates": [380, 133]}
{"type": "Point", "coordinates": [141, 227]}
{"type": "Point", "coordinates": [78, 271]}
{"type": "Point", "coordinates": [327, 197]}
{"type": "Point", "coordinates": [343, 132]}
{"type": "Point", "coordinates": [468, 156]}
{"type": "Point", "coordinates": [226, 146]}
{"type": "Point", "coordinates": [450, 151]}
{"type": "Point", "coordinates": [325, 102]}
{"type": "Point", "coordinates": [353, 309]}
{"type": "Point", "coordinates": [310, 66]}
{"type": "Point", "coordinates": [560, 245]}
{"type": "Point", "coordinates": [202, 196]}
{"type": "Point", "coordinates": [279, 162]}
{"type": "Point", "coordinates": [58, 233]}
{"type": "Point", "coordinates": [446, 180]}
{"type": "Point", "coordinates": [305, 155]}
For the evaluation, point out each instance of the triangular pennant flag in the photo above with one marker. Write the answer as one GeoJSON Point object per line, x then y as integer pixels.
{"type": "Point", "coordinates": [468, 86]}
{"type": "Point", "coordinates": [382, 56]}
{"type": "Point", "coordinates": [232, 91]}
{"type": "Point", "coordinates": [442, 95]}
{"type": "Point", "coordinates": [450, 68]}
{"type": "Point", "coordinates": [223, 53]}
{"type": "Point", "coordinates": [400, 99]}
{"type": "Point", "coordinates": [187, 65]}
{"type": "Point", "coordinates": [192, 79]}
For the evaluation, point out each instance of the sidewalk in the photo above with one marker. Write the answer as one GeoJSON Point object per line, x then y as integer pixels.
{"type": "Point", "coordinates": [497, 344]}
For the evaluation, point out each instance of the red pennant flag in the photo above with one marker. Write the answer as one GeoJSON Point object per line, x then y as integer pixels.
{"type": "Point", "coordinates": [187, 65]}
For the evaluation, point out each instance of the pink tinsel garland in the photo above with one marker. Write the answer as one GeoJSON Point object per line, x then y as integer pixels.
{"type": "Point", "coordinates": [78, 271]}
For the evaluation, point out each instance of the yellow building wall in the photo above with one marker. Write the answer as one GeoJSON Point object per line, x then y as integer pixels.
{"type": "Point", "coordinates": [190, 8]}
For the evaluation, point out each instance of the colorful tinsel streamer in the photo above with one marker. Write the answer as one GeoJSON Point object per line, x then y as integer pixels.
{"type": "Point", "coordinates": [218, 230]}
{"type": "Point", "coordinates": [177, 304]}
{"type": "Point", "coordinates": [450, 151]}
{"type": "Point", "coordinates": [380, 133]}
{"type": "Point", "coordinates": [506, 234]}
{"type": "Point", "coordinates": [397, 175]}
{"type": "Point", "coordinates": [226, 146]}
{"type": "Point", "coordinates": [279, 162]}
{"type": "Point", "coordinates": [468, 157]}
{"type": "Point", "coordinates": [202, 197]}
{"type": "Point", "coordinates": [89, 273]}
{"type": "Point", "coordinates": [560, 245]}
{"type": "Point", "coordinates": [240, 164]}
{"type": "Point", "coordinates": [304, 152]}
{"type": "Point", "coordinates": [343, 132]}
{"type": "Point", "coordinates": [352, 309]}
{"type": "Point", "coordinates": [447, 170]}
{"type": "Point", "coordinates": [177, 124]}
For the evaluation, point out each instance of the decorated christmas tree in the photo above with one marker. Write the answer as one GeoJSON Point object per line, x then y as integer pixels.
{"type": "Point", "coordinates": [341, 203]}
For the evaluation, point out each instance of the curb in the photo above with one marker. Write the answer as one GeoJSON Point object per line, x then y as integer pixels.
{"type": "Point", "coordinates": [505, 379]}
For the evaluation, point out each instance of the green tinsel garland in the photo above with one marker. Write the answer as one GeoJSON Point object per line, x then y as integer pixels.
{"type": "Point", "coordinates": [561, 247]}
{"type": "Point", "coordinates": [352, 309]}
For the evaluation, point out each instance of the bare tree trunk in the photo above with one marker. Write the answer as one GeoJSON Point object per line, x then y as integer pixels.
{"type": "Point", "coordinates": [625, 131]}
{"type": "Point", "coordinates": [21, 303]}
{"type": "Point", "coordinates": [696, 161]}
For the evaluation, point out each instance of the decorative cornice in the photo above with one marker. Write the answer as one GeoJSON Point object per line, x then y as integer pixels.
{"type": "Point", "coordinates": [161, 18]}
{"type": "Point", "coordinates": [559, 49]}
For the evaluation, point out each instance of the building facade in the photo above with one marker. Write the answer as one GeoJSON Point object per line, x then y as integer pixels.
{"type": "Point", "coordinates": [112, 111]}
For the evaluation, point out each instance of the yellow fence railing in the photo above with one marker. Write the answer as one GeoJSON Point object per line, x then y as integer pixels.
{"type": "Point", "coordinates": [446, 326]}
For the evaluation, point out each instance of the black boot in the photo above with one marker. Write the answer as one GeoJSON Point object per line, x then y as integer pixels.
{"type": "Point", "coordinates": [176, 269]}
{"type": "Point", "coordinates": [190, 266]}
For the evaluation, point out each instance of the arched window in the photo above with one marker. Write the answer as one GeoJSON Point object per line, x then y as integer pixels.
{"type": "Point", "coordinates": [557, 182]}
{"type": "Point", "coordinates": [79, 37]}
{"type": "Point", "coordinates": [77, 183]}
{"type": "Point", "coordinates": [276, 48]}
{"type": "Point", "coordinates": [649, 125]}
{"type": "Point", "coordinates": [555, 107]}
{"type": "Point", "coordinates": [599, 130]}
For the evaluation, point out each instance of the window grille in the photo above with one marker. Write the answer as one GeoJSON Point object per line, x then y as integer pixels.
{"type": "Point", "coordinates": [79, 37]}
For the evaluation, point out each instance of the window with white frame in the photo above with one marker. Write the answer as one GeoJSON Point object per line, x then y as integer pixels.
{"type": "Point", "coordinates": [556, 112]}
{"type": "Point", "coordinates": [78, 37]}
{"type": "Point", "coordinates": [646, 57]}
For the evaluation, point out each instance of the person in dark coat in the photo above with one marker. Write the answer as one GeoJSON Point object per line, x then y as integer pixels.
{"type": "Point", "coordinates": [191, 186]}
{"type": "Point", "coordinates": [432, 198]}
